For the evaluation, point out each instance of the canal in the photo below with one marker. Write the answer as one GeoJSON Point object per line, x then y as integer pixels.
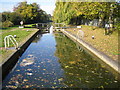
{"type": "Point", "coordinates": [55, 61]}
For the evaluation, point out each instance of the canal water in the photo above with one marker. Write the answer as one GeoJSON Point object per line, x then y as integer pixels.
{"type": "Point", "coordinates": [55, 61]}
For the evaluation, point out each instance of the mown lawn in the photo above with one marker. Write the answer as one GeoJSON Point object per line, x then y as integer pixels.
{"type": "Point", "coordinates": [105, 43]}
{"type": "Point", "coordinates": [22, 35]}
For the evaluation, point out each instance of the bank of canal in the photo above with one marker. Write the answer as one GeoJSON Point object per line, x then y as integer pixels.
{"type": "Point", "coordinates": [55, 61]}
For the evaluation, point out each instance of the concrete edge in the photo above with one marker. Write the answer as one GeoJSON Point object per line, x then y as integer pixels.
{"type": "Point", "coordinates": [13, 58]}
{"type": "Point", "coordinates": [114, 64]}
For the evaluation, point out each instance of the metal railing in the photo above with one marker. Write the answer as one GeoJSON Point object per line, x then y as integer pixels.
{"type": "Point", "coordinates": [7, 40]}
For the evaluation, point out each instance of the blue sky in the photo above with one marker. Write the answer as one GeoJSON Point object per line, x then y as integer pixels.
{"type": "Point", "coordinates": [46, 5]}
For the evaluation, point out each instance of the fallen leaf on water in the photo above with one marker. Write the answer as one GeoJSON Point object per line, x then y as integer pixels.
{"type": "Point", "coordinates": [70, 73]}
{"type": "Point", "coordinates": [101, 86]}
{"type": "Point", "coordinates": [72, 62]}
{"type": "Point", "coordinates": [38, 66]}
{"type": "Point", "coordinates": [86, 81]}
{"type": "Point", "coordinates": [66, 66]}
{"type": "Point", "coordinates": [53, 87]}
{"type": "Point", "coordinates": [60, 79]}
{"type": "Point", "coordinates": [44, 69]}
{"type": "Point", "coordinates": [115, 81]}
{"type": "Point", "coordinates": [71, 85]}
{"type": "Point", "coordinates": [106, 83]}
{"type": "Point", "coordinates": [29, 74]}
{"type": "Point", "coordinates": [17, 70]}
{"type": "Point", "coordinates": [14, 87]}
{"type": "Point", "coordinates": [54, 83]}
{"type": "Point", "coordinates": [26, 86]}
{"type": "Point", "coordinates": [106, 71]}
{"type": "Point", "coordinates": [25, 80]}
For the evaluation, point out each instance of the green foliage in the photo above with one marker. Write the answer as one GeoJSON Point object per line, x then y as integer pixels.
{"type": "Point", "coordinates": [18, 33]}
{"type": "Point", "coordinates": [7, 24]}
{"type": "Point", "coordinates": [5, 16]}
{"type": "Point", "coordinates": [31, 13]}
{"type": "Point", "coordinates": [63, 12]}
{"type": "Point", "coordinates": [15, 18]}
{"type": "Point", "coordinates": [70, 12]}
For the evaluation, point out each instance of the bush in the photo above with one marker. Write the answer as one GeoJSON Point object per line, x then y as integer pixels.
{"type": "Point", "coordinates": [7, 24]}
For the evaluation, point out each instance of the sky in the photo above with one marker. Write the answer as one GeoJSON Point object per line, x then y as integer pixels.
{"type": "Point", "coordinates": [46, 5]}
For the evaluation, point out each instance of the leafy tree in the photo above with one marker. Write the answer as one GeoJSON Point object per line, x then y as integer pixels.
{"type": "Point", "coordinates": [5, 16]}
{"type": "Point", "coordinates": [63, 12]}
{"type": "Point", "coordinates": [74, 12]}
{"type": "Point", "coordinates": [31, 13]}
{"type": "Point", "coordinates": [15, 18]}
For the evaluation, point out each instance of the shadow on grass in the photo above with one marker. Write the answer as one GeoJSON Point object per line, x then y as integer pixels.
{"type": "Point", "coordinates": [7, 28]}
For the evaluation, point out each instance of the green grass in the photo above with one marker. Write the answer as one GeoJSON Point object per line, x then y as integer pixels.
{"type": "Point", "coordinates": [30, 25]}
{"type": "Point", "coordinates": [105, 43]}
{"type": "Point", "coordinates": [22, 35]}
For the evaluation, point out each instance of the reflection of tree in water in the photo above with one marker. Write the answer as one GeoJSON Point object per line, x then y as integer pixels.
{"type": "Point", "coordinates": [81, 70]}
{"type": "Point", "coordinates": [38, 37]}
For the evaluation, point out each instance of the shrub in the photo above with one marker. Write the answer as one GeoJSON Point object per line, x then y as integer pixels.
{"type": "Point", "coordinates": [7, 24]}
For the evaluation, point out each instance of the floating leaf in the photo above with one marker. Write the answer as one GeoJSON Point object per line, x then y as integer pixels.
{"type": "Point", "coordinates": [17, 70]}
{"type": "Point", "coordinates": [115, 81]}
{"type": "Point", "coordinates": [66, 66]}
{"type": "Point", "coordinates": [25, 80]}
{"type": "Point", "coordinates": [44, 69]}
{"type": "Point", "coordinates": [70, 73]}
{"type": "Point", "coordinates": [29, 74]}
{"type": "Point", "coordinates": [86, 81]}
{"type": "Point", "coordinates": [26, 86]}
{"type": "Point", "coordinates": [38, 66]}
{"type": "Point", "coordinates": [61, 79]}
{"type": "Point", "coordinates": [101, 86]}
{"type": "Point", "coordinates": [72, 62]}
{"type": "Point", "coordinates": [54, 83]}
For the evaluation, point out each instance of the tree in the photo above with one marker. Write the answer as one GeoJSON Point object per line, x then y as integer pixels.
{"type": "Point", "coordinates": [15, 18]}
{"type": "Point", "coordinates": [63, 12]}
{"type": "Point", "coordinates": [31, 13]}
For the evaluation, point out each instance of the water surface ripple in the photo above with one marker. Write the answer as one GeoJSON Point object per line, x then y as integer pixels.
{"type": "Point", "coordinates": [54, 61]}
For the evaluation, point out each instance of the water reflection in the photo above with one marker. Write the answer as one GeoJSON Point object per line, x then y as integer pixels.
{"type": "Point", "coordinates": [54, 61]}
{"type": "Point", "coordinates": [81, 69]}
{"type": "Point", "coordinates": [38, 37]}
{"type": "Point", "coordinates": [27, 61]}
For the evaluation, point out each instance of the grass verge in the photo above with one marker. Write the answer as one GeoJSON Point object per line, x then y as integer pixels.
{"type": "Point", "coordinates": [22, 35]}
{"type": "Point", "coordinates": [105, 43]}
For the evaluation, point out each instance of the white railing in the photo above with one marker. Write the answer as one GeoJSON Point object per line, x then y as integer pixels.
{"type": "Point", "coordinates": [7, 40]}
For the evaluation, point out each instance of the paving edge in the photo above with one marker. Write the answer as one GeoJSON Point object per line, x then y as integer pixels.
{"type": "Point", "coordinates": [114, 64]}
{"type": "Point", "coordinates": [13, 58]}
